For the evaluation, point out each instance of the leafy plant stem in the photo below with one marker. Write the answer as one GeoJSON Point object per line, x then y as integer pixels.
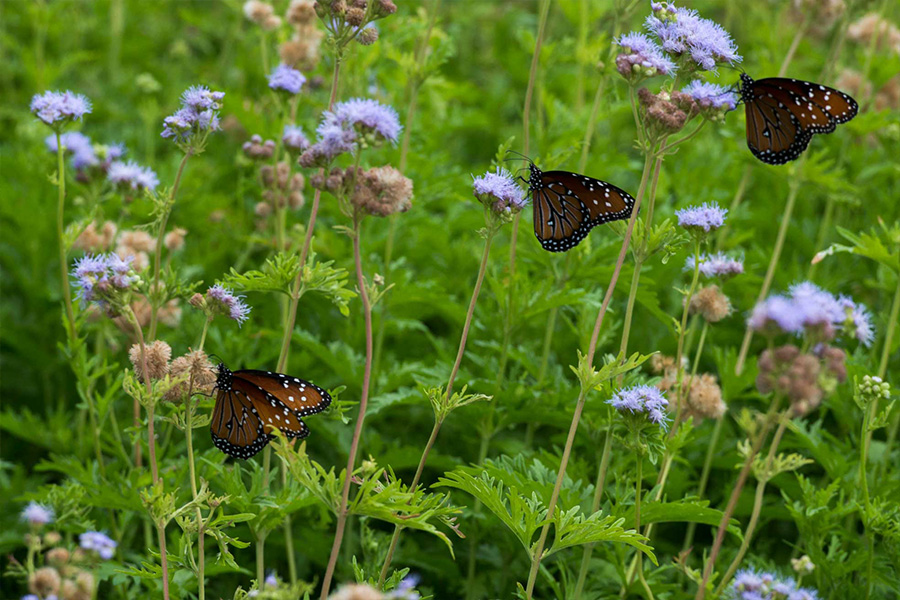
{"type": "Point", "coordinates": [757, 507]}
{"type": "Point", "coordinates": [637, 521]}
{"type": "Point", "coordinates": [474, 538]}
{"type": "Point", "coordinates": [343, 512]}
{"type": "Point", "coordinates": [679, 355]}
{"type": "Point", "coordinates": [882, 370]}
{"type": "Point", "coordinates": [704, 476]}
{"type": "Point", "coordinates": [189, 438]}
{"type": "Point", "coordinates": [157, 253]}
{"type": "Point", "coordinates": [595, 506]}
{"type": "Point", "coordinates": [60, 235]}
{"type": "Point", "coordinates": [770, 272]}
{"type": "Point", "coordinates": [537, 555]}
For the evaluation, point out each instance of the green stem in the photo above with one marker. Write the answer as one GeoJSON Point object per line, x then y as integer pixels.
{"type": "Point", "coordinates": [770, 272]}
{"type": "Point", "coordinates": [637, 522]}
{"type": "Point", "coordinates": [474, 538]}
{"type": "Point", "coordinates": [595, 506]}
{"type": "Point", "coordinates": [60, 235]}
{"type": "Point", "coordinates": [882, 371]}
{"type": "Point", "coordinates": [679, 356]}
{"type": "Point", "coordinates": [864, 486]}
{"type": "Point", "coordinates": [704, 477]}
{"type": "Point", "coordinates": [189, 437]}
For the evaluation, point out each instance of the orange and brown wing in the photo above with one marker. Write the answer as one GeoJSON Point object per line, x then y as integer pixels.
{"type": "Point", "coordinates": [300, 396]}
{"type": "Point", "coordinates": [236, 427]}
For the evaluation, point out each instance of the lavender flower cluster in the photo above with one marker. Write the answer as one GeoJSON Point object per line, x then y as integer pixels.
{"type": "Point", "coordinates": [286, 78]}
{"type": "Point", "coordinates": [99, 278]}
{"type": "Point", "coordinates": [221, 300]}
{"type": "Point", "coordinates": [58, 109]}
{"type": "Point", "coordinates": [642, 57]}
{"type": "Point", "coordinates": [357, 121]}
{"type": "Point", "coordinates": [710, 96]}
{"type": "Point", "coordinates": [643, 400]}
{"type": "Point", "coordinates": [716, 265]}
{"type": "Point", "coordinates": [809, 308]}
{"type": "Point", "coordinates": [499, 192]}
{"type": "Point", "coordinates": [103, 159]}
{"type": "Point", "coordinates": [751, 585]}
{"type": "Point", "coordinates": [198, 115]}
{"type": "Point", "coordinates": [706, 217]}
{"type": "Point", "coordinates": [36, 514]}
{"type": "Point", "coordinates": [683, 33]}
{"type": "Point", "coordinates": [98, 542]}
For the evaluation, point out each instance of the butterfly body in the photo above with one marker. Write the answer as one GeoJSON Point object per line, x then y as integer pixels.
{"type": "Point", "coordinates": [783, 114]}
{"type": "Point", "coordinates": [250, 404]}
{"type": "Point", "coordinates": [568, 205]}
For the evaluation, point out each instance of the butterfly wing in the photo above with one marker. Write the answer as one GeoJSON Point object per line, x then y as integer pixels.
{"type": "Point", "coordinates": [235, 426]}
{"type": "Point", "coordinates": [568, 205]}
{"type": "Point", "coordinates": [300, 396]}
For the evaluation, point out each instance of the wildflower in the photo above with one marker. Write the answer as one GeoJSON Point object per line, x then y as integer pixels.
{"type": "Point", "coordinates": [711, 303]}
{"type": "Point", "coordinates": [174, 240]}
{"type": "Point", "coordinates": [294, 139]}
{"type": "Point", "coordinates": [198, 371]}
{"type": "Point", "coordinates": [333, 140]}
{"type": "Point", "coordinates": [271, 580]}
{"type": "Point", "coordinates": [664, 365]}
{"type": "Point", "coordinates": [641, 399]}
{"type": "Point", "coordinates": [36, 514]}
{"type": "Point", "coordinates": [682, 32]}
{"type": "Point", "coordinates": [383, 191]}
{"type": "Point", "coordinates": [221, 300]}
{"type": "Point", "coordinates": [78, 145]}
{"type": "Point", "coordinates": [98, 542]}
{"type": "Point", "coordinates": [803, 565]}
{"type": "Point", "coordinates": [156, 354]}
{"type": "Point", "coordinates": [716, 265]}
{"type": "Point", "coordinates": [711, 96]}
{"type": "Point", "coordinates": [776, 314]}
{"type": "Point", "coordinates": [356, 591]}
{"type": "Point", "coordinates": [641, 57]}
{"type": "Point", "coordinates": [406, 589]}
{"type": "Point", "coordinates": [257, 149]}
{"type": "Point", "coordinates": [368, 36]}
{"type": "Point", "coordinates": [92, 240]}
{"type": "Point", "coordinates": [44, 582]}
{"type": "Point", "coordinates": [103, 278]}
{"type": "Point", "coordinates": [662, 112]}
{"type": "Point", "coordinates": [301, 12]}
{"type": "Point", "coordinates": [60, 108]}
{"type": "Point", "coordinates": [704, 398]}
{"type": "Point", "coordinates": [873, 387]}
{"type": "Point", "coordinates": [368, 117]}
{"type": "Point", "coordinates": [499, 192]}
{"type": "Point", "coordinates": [58, 556]}
{"type": "Point", "coordinates": [708, 217]}
{"type": "Point", "coordinates": [857, 321]}
{"type": "Point", "coordinates": [132, 176]}
{"type": "Point", "coordinates": [819, 308]}
{"type": "Point", "coordinates": [287, 79]}
{"type": "Point", "coordinates": [196, 118]}
{"type": "Point", "coordinates": [750, 585]}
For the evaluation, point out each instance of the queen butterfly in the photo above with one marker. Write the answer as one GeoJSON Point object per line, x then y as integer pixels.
{"type": "Point", "coordinates": [250, 404]}
{"type": "Point", "coordinates": [783, 115]}
{"type": "Point", "coordinates": [568, 205]}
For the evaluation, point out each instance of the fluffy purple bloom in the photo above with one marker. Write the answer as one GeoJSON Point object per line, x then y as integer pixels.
{"type": "Point", "coordinates": [819, 308]}
{"type": "Point", "coordinates": [78, 145]}
{"type": "Point", "coordinates": [97, 277]}
{"type": "Point", "coordinates": [682, 31]}
{"type": "Point", "coordinates": [199, 98]}
{"type": "Point", "coordinates": [223, 301]}
{"type": "Point", "coordinates": [59, 107]}
{"type": "Point", "coordinates": [406, 589]}
{"type": "Point", "coordinates": [294, 138]}
{"type": "Point", "coordinates": [857, 321]}
{"type": "Point", "coordinates": [716, 265]}
{"type": "Point", "coordinates": [710, 95]}
{"type": "Point", "coordinates": [367, 114]}
{"type": "Point", "coordinates": [641, 56]}
{"type": "Point", "coordinates": [286, 78]}
{"type": "Point", "coordinates": [778, 312]}
{"type": "Point", "coordinates": [709, 216]}
{"type": "Point", "coordinates": [271, 580]}
{"type": "Point", "coordinates": [750, 585]}
{"type": "Point", "coordinates": [98, 542]}
{"type": "Point", "coordinates": [641, 399]}
{"type": "Point", "coordinates": [500, 191]}
{"type": "Point", "coordinates": [36, 514]}
{"type": "Point", "coordinates": [197, 115]}
{"type": "Point", "coordinates": [132, 176]}
{"type": "Point", "coordinates": [332, 141]}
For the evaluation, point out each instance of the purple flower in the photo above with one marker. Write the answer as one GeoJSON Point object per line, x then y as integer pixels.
{"type": "Point", "coordinates": [271, 580]}
{"type": "Point", "coordinates": [710, 95]}
{"type": "Point", "coordinates": [641, 56]}
{"type": "Point", "coordinates": [59, 107]}
{"type": "Point", "coordinates": [132, 176]}
{"type": "Point", "coordinates": [286, 78]}
{"type": "Point", "coordinates": [78, 145]}
{"type": "Point", "coordinates": [716, 265]}
{"type": "Point", "coordinates": [222, 300]}
{"type": "Point", "coordinates": [367, 115]}
{"type": "Point", "coordinates": [778, 313]}
{"type": "Point", "coordinates": [98, 277]}
{"type": "Point", "coordinates": [196, 117]}
{"type": "Point", "coordinates": [294, 139]}
{"type": "Point", "coordinates": [499, 191]}
{"type": "Point", "coordinates": [199, 98]}
{"type": "Point", "coordinates": [750, 585]}
{"type": "Point", "coordinates": [682, 31]}
{"type": "Point", "coordinates": [641, 399]}
{"type": "Point", "coordinates": [819, 308]}
{"type": "Point", "coordinates": [406, 590]}
{"type": "Point", "coordinates": [98, 542]}
{"type": "Point", "coordinates": [36, 514]}
{"type": "Point", "coordinates": [708, 217]}
{"type": "Point", "coordinates": [857, 321]}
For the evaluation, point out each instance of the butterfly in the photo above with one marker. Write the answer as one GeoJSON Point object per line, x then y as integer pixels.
{"type": "Point", "coordinates": [250, 404]}
{"type": "Point", "coordinates": [783, 115]}
{"type": "Point", "coordinates": [568, 205]}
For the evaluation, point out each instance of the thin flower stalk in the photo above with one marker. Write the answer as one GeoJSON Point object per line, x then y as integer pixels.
{"type": "Point", "coordinates": [599, 486]}
{"type": "Point", "coordinates": [582, 396]}
{"type": "Point", "coordinates": [704, 476]}
{"type": "Point", "coordinates": [60, 235]}
{"type": "Point", "coordinates": [357, 431]}
{"type": "Point", "coordinates": [638, 480]}
{"type": "Point", "coordinates": [882, 371]}
{"type": "Point", "coordinates": [189, 439]}
{"type": "Point", "coordinates": [679, 362]}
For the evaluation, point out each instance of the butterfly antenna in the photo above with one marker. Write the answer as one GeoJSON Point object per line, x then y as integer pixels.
{"type": "Point", "coordinates": [522, 156]}
{"type": "Point", "coordinates": [217, 357]}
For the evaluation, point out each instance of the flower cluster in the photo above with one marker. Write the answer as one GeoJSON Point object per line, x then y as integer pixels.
{"type": "Point", "coordinates": [58, 109]}
{"type": "Point", "coordinates": [752, 585]}
{"type": "Point", "coordinates": [257, 149]}
{"type": "Point", "coordinates": [104, 278]}
{"type": "Point", "coordinates": [716, 265]}
{"type": "Point", "coordinates": [100, 543]}
{"type": "Point", "coordinates": [302, 50]}
{"type": "Point", "coordinates": [666, 112]}
{"type": "Point", "coordinates": [220, 300]}
{"type": "Point", "coordinates": [380, 191]}
{"type": "Point", "coordinates": [641, 57]}
{"type": "Point", "coordinates": [283, 188]}
{"type": "Point", "coordinates": [499, 192]}
{"type": "Point", "coordinates": [262, 13]}
{"type": "Point", "coordinates": [294, 139]}
{"type": "Point", "coordinates": [804, 378]}
{"type": "Point", "coordinates": [350, 124]}
{"type": "Point", "coordinates": [714, 100]}
{"type": "Point", "coordinates": [85, 155]}
{"type": "Point", "coordinates": [286, 79]}
{"type": "Point", "coordinates": [352, 19]}
{"type": "Point", "coordinates": [702, 219]}
{"type": "Point", "coordinates": [710, 303]}
{"type": "Point", "coordinates": [814, 311]}
{"type": "Point", "coordinates": [130, 176]}
{"type": "Point", "coordinates": [36, 514]}
{"type": "Point", "coordinates": [699, 43]}
{"type": "Point", "coordinates": [641, 400]}
{"type": "Point", "coordinates": [197, 117]}
{"type": "Point", "coordinates": [704, 398]}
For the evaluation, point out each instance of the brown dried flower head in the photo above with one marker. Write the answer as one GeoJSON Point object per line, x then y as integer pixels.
{"type": "Point", "coordinates": [156, 354]}
{"type": "Point", "coordinates": [44, 582]}
{"type": "Point", "coordinates": [198, 371]}
{"type": "Point", "coordinates": [301, 12]}
{"type": "Point", "coordinates": [711, 303]}
{"type": "Point", "coordinates": [57, 556]}
{"type": "Point", "coordinates": [174, 240]}
{"type": "Point", "coordinates": [875, 28]}
{"type": "Point", "coordinates": [383, 191]}
{"type": "Point", "coordinates": [705, 397]}
{"type": "Point", "coordinates": [356, 591]}
{"type": "Point", "coordinates": [258, 149]}
{"type": "Point", "coordinates": [662, 114]}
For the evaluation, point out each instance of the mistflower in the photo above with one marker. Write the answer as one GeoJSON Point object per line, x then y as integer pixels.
{"type": "Point", "coordinates": [294, 139]}
{"type": "Point", "coordinates": [197, 369]}
{"type": "Point", "coordinates": [707, 217]}
{"type": "Point", "coordinates": [57, 556]}
{"type": "Point", "coordinates": [803, 378]}
{"type": "Point", "coordinates": [257, 149]}
{"type": "Point", "coordinates": [174, 240]}
{"type": "Point", "coordinates": [369, 117]}
{"type": "Point", "coordinates": [857, 321]}
{"type": "Point", "coordinates": [76, 144]}
{"type": "Point", "coordinates": [406, 589]}
{"type": "Point", "coordinates": [131, 176]}
{"type": "Point", "coordinates": [36, 514]}
{"type": "Point", "coordinates": [98, 542]}
{"type": "Point", "coordinates": [45, 582]}
{"type": "Point", "coordinates": [716, 265]}
{"type": "Point", "coordinates": [711, 303]}
{"type": "Point", "coordinates": [498, 191]}
{"type": "Point", "coordinates": [665, 111]}
{"type": "Point", "coordinates": [711, 96]}
{"type": "Point", "coordinates": [368, 36]}
{"type": "Point", "coordinates": [682, 32]}
{"type": "Point", "coordinates": [301, 12]}
{"type": "Point", "coordinates": [705, 397]}
{"type": "Point", "coordinates": [92, 240]}
{"type": "Point", "coordinates": [196, 118]}
{"type": "Point", "coordinates": [333, 140]}
{"type": "Point", "coordinates": [641, 57]}
{"type": "Point", "coordinates": [103, 278]}
{"type": "Point", "coordinates": [262, 14]}
{"type": "Point", "coordinates": [382, 191]}
{"type": "Point", "coordinates": [776, 314]}
{"type": "Point", "coordinates": [820, 308]}
{"type": "Point", "coordinates": [57, 109]}
{"type": "Point", "coordinates": [156, 354]}
{"type": "Point", "coordinates": [750, 585]}
{"type": "Point", "coordinates": [641, 400]}
{"type": "Point", "coordinates": [287, 79]}
{"type": "Point", "coordinates": [222, 301]}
